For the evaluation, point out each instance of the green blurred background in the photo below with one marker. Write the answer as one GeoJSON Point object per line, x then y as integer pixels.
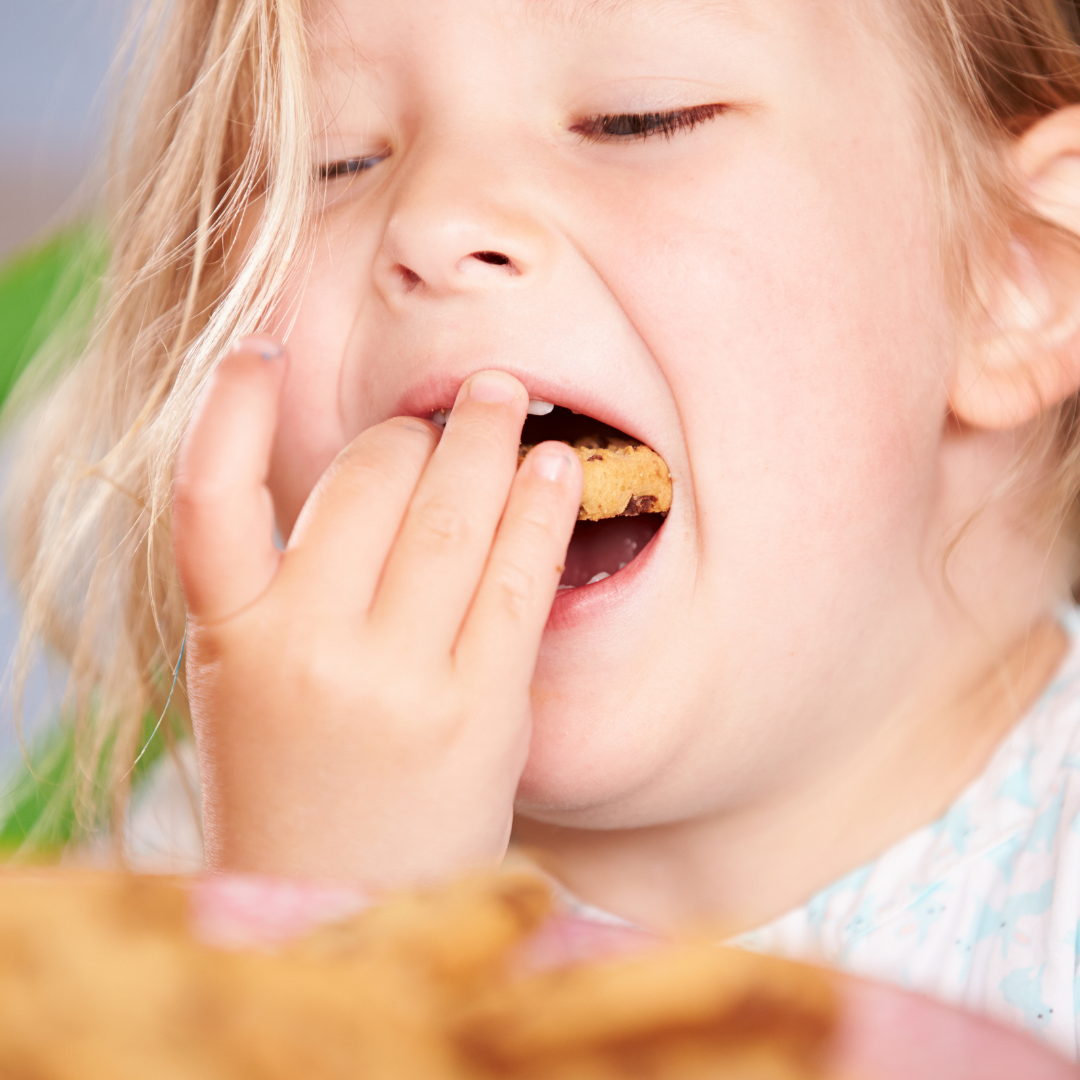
{"type": "Point", "coordinates": [56, 58]}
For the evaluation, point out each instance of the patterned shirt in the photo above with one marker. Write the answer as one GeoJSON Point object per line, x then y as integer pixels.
{"type": "Point", "coordinates": [982, 908]}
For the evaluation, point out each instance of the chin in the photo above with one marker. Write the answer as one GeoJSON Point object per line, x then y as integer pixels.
{"type": "Point", "coordinates": [600, 744]}
{"type": "Point", "coordinates": [596, 758]}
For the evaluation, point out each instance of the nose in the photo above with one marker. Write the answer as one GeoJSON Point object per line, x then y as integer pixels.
{"type": "Point", "coordinates": [457, 227]}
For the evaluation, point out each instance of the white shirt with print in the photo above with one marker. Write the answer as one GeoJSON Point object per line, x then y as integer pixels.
{"type": "Point", "coordinates": [982, 908]}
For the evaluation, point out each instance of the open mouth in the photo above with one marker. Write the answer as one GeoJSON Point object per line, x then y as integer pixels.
{"type": "Point", "coordinates": [598, 549]}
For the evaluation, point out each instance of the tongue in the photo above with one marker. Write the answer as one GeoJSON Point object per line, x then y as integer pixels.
{"type": "Point", "coordinates": [605, 547]}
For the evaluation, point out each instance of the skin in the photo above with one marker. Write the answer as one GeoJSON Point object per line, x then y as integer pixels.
{"type": "Point", "coordinates": [783, 684]}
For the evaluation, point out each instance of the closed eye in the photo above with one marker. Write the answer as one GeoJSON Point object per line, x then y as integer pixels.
{"type": "Point", "coordinates": [350, 166]}
{"type": "Point", "coordinates": [621, 126]}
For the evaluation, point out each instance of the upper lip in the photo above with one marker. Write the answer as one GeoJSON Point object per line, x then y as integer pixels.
{"type": "Point", "coordinates": [438, 390]}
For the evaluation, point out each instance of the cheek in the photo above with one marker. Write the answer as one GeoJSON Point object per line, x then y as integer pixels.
{"type": "Point", "coordinates": [802, 325]}
{"type": "Point", "coordinates": [317, 325]}
{"type": "Point", "coordinates": [796, 305]}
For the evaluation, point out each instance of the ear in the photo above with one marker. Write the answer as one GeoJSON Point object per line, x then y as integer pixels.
{"type": "Point", "coordinates": [1022, 355]}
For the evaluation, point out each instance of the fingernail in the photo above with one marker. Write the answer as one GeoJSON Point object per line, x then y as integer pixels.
{"type": "Point", "coordinates": [493, 388]}
{"type": "Point", "coordinates": [550, 464]}
{"type": "Point", "coordinates": [265, 347]}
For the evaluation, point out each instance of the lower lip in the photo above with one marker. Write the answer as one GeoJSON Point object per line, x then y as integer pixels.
{"type": "Point", "coordinates": [574, 606]}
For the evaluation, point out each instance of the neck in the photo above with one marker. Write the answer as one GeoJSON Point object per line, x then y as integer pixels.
{"type": "Point", "coordinates": [740, 868]}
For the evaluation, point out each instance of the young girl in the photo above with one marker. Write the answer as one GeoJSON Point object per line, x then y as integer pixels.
{"type": "Point", "coordinates": [824, 258]}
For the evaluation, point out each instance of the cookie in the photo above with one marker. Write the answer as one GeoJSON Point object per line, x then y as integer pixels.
{"type": "Point", "coordinates": [622, 479]}
{"type": "Point", "coordinates": [103, 978]}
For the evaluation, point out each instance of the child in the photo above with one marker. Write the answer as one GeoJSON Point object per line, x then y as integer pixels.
{"type": "Point", "coordinates": [819, 256]}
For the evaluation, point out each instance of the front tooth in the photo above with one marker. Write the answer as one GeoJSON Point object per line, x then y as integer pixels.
{"type": "Point", "coordinates": [438, 417]}
{"type": "Point", "coordinates": [537, 407]}
{"type": "Point", "coordinates": [598, 577]}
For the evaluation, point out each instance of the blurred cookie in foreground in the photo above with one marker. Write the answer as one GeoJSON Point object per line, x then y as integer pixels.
{"type": "Point", "coordinates": [692, 1011]}
{"type": "Point", "coordinates": [102, 976]}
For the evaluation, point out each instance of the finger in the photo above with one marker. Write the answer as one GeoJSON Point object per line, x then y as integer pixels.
{"type": "Point", "coordinates": [436, 562]}
{"type": "Point", "coordinates": [222, 513]}
{"type": "Point", "coordinates": [504, 626]}
{"type": "Point", "coordinates": [342, 538]}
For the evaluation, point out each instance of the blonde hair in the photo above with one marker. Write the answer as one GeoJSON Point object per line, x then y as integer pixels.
{"type": "Point", "coordinates": [213, 182]}
{"type": "Point", "coordinates": [990, 69]}
{"type": "Point", "coordinates": [211, 179]}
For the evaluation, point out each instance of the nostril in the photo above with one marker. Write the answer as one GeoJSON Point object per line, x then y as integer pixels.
{"type": "Point", "coordinates": [410, 277]}
{"type": "Point", "coordinates": [495, 258]}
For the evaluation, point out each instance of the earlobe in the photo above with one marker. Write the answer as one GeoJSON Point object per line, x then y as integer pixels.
{"type": "Point", "coordinates": [1022, 354]}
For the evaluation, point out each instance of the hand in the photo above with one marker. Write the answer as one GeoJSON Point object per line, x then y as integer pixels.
{"type": "Point", "coordinates": [361, 700]}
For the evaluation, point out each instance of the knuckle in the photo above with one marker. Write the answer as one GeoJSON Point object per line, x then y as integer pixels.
{"type": "Point", "coordinates": [355, 473]}
{"type": "Point", "coordinates": [536, 532]}
{"type": "Point", "coordinates": [409, 721]}
{"type": "Point", "coordinates": [514, 587]}
{"type": "Point", "coordinates": [442, 524]}
{"type": "Point", "coordinates": [537, 522]}
{"type": "Point", "coordinates": [482, 436]}
{"type": "Point", "coordinates": [194, 496]}
{"type": "Point", "coordinates": [413, 428]}
{"type": "Point", "coordinates": [316, 675]}
{"type": "Point", "coordinates": [376, 461]}
{"type": "Point", "coordinates": [401, 435]}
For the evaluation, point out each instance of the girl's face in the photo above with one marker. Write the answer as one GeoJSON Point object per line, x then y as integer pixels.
{"type": "Point", "coordinates": [758, 297]}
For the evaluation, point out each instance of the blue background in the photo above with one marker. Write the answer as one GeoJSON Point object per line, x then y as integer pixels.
{"type": "Point", "coordinates": [55, 59]}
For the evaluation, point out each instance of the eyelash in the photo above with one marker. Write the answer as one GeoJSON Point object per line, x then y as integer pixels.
{"type": "Point", "coordinates": [349, 167]}
{"type": "Point", "coordinates": [619, 126]}
{"type": "Point", "coordinates": [609, 127]}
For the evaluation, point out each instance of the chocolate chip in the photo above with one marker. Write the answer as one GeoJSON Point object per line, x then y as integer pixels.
{"type": "Point", "coordinates": [595, 457]}
{"type": "Point", "coordinates": [640, 504]}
